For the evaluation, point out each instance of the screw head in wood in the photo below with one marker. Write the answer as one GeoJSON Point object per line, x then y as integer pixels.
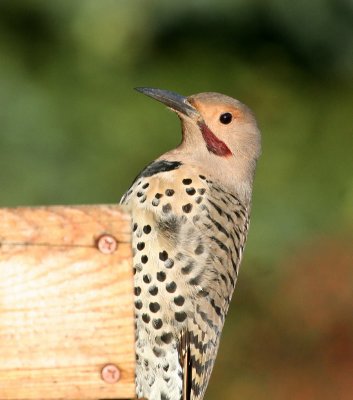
{"type": "Point", "coordinates": [110, 373]}
{"type": "Point", "coordinates": [107, 244]}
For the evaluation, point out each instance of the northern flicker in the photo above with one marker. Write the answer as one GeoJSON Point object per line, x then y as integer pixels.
{"type": "Point", "coordinates": [190, 210]}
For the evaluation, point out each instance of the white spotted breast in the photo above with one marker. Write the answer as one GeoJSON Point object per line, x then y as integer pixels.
{"type": "Point", "coordinates": [188, 238]}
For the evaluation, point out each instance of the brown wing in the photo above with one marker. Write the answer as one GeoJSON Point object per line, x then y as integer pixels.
{"type": "Point", "coordinates": [222, 227]}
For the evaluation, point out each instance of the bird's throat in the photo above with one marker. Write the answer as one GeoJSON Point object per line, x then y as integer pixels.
{"type": "Point", "coordinates": [213, 144]}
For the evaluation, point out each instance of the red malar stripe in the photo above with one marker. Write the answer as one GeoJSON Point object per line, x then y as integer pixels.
{"type": "Point", "coordinates": [213, 144]}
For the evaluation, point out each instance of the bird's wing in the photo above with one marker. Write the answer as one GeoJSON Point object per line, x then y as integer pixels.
{"type": "Point", "coordinates": [200, 341]}
{"type": "Point", "coordinates": [222, 229]}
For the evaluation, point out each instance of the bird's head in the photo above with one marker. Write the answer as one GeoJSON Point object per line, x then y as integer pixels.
{"type": "Point", "coordinates": [219, 133]}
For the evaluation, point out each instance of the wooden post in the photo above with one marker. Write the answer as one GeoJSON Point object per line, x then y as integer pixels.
{"type": "Point", "coordinates": [66, 304]}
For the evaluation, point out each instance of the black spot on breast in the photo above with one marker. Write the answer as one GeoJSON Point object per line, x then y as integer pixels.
{"type": "Point", "coordinates": [190, 191]}
{"type": "Point", "coordinates": [147, 229]}
{"type": "Point", "coordinates": [202, 177]}
{"type": "Point", "coordinates": [139, 194]}
{"type": "Point", "coordinates": [145, 186]}
{"type": "Point", "coordinates": [147, 278]}
{"type": "Point", "coordinates": [146, 318]}
{"type": "Point", "coordinates": [158, 195]}
{"type": "Point", "coordinates": [198, 199]}
{"type": "Point", "coordinates": [167, 208]}
{"type": "Point", "coordinates": [169, 192]}
{"type": "Point", "coordinates": [144, 259]}
{"type": "Point", "coordinates": [163, 255]}
{"type": "Point", "coordinates": [153, 290]}
{"type": "Point", "coordinates": [138, 304]}
{"type": "Point", "coordinates": [187, 208]}
{"type": "Point", "coordinates": [154, 307]}
{"type": "Point", "coordinates": [171, 287]}
{"type": "Point", "coordinates": [179, 300]}
{"type": "Point", "coordinates": [167, 338]}
{"type": "Point", "coordinates": [161, 276]}
{"type": "Point", "coordinates": [137, 291]}
{"type": "Point", "coordinates": [201, 191]}
{"type": "Point", "coordinates": [187, 181]}
{"type": "Point", "coordinates": [157, 323]}
{"type": "Point", "coordinates": [180, 316]}
{"type": "Point", "coordinates": [134, 227]}
{"type": "Point", "coordinates": [140, 246]}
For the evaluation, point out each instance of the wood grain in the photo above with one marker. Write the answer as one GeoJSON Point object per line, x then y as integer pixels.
{"type": "Point", "coordinates": [66, 309]}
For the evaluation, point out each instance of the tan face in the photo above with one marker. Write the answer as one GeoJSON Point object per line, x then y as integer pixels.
{"type": "Point", "coordinates": [228, 127]}
{"type": "Point", "coordinates": [214, 112]}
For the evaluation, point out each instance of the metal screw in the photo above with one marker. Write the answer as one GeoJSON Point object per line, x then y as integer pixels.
{"type": "Point", "coordinates": [110, 373]}
{"type": "Point", "coordinates": [107, 244]}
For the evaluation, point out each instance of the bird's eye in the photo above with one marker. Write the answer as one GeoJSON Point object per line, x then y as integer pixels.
{"type": "Point", "coordinates": [226, 118]}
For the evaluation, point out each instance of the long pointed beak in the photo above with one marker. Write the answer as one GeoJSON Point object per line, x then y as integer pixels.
{"type": "Point", "coordinates": [173, 100]}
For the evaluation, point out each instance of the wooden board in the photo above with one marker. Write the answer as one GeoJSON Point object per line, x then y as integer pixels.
{"type": "Point", "coordinates": [66, 308]}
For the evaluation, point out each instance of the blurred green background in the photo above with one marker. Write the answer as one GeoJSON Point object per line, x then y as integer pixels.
{"type": "Point", "coordinates": [72, 131]}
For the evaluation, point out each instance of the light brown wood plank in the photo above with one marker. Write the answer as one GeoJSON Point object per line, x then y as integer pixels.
{"type": "Point", "coordinates": [66, 309]}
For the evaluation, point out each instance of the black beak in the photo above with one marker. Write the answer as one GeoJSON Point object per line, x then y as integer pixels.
{"type": "Point", "coordinates": [173, 100]}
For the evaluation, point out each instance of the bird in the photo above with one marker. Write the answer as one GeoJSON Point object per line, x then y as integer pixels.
{"type": "Point", "coordinates": [190, 211]}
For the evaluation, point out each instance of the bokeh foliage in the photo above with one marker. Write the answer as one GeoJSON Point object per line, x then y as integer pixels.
{"type": "Point", "coordinates": [72, 130]}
